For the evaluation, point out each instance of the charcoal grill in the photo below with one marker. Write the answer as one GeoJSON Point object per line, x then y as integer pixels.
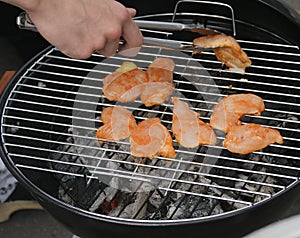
{"type": "Point", "coordinates": [50, 112]}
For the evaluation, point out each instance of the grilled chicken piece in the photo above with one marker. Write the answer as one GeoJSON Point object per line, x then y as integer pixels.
{"type": "Point", "coordinates": [188, 129]}
{"type": "Point", "coordinates": [160, 86]}
{"type": "Point", "coordinates": [216, 41]}
{"type": "Point", "coordinates": [125, 84]}
{"type": "Point", "coordinates": [118, 122]}
{"type": "Point", "coordinates": [228, 112]}
{"type": "Point", "coordinates": [150, 139]}
{"type": "Point", "coordinates": [248, 138]}
{"type": "Point", "coordinates": [236, 61]}
{"type": "Point", "coordinates": [226, 49]}
{"type": "Point", "coordinates": [156, 93]}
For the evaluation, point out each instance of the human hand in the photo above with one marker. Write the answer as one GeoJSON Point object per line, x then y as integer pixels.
{"type": "Point", "coordinates": [81, 27]}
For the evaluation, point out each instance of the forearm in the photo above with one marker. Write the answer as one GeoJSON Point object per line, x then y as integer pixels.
{"type": "Point", "coordinates": [23, 4]}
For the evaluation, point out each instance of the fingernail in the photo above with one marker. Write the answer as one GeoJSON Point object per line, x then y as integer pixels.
{"type": "Point", "coordinates": [132, 52]}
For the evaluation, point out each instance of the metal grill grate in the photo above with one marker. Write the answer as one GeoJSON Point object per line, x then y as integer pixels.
{"type": "Point", "coordinates": [52, 113]}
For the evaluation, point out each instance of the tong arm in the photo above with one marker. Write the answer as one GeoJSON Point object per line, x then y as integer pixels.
{"type": "Point", "coordinates": [163, 26]}
{"type": "Point", "coordinates": [175, 26]}
{"type": "Point", "coordinates": [24, 22]}
{"type": "Point", "coordinates": [168, 44]}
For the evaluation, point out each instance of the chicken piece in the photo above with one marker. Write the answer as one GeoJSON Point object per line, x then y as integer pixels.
{"type": "Point", "coordinates": [216, 41]}
{"type": "Point", "coordinates": [125, 84]}
{"type": "Point", "coordinates": [161, 70]}
{"type": "Point", "coordinates": [150, 139]}
{"type": "Point", "coordinates": [226, 49]}
{"type": "Point", "coordinates": [118, 122]}
{"type": "Point", "coordinates": [236, 61]}
{"type": "Point", "coordinates": [228, 112]}
{"type": "Point", "coordinates": [188, 129]}
{"type": "Point", "coordinates": [248, 138]}
{"type": "Point", "coordinates": [156, 93]}
{"type": "Point", "coordinates": [160, 86]}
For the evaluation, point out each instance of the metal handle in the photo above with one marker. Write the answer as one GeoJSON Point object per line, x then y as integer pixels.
{"type": "Point", "coordinates": [175, 26]}
{"type": "Point", "coordinates": [166, 43]}
{"type": "Point", "coordinates": [23, 21]}
{"type": "Point", "coordinates": [158, 25]}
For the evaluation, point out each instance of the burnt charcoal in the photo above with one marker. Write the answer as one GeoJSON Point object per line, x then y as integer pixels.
{"type": "Point", "coordinates": [91, 193]}
{"type": "Point", "coordinates": [226, 206]}
{"type": "Point", "coordinates": [160, 214]}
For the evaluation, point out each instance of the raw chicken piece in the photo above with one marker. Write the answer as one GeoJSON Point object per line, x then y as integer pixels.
{"type": "Point", "coordinates": [125, 84]}
{"type": "Point", "coordinates": [188, 129]}
{"type": "Point", "coordinates": [226, 49]}
{"type": "Point", "coordinates": [250, 137]}
{"type": "Point", "coordinates": [160, 86]}
{"type": "Point", "coordinates": [228, 112]}
{"type": "Point", "coordinates": [118, 123]}
{"type": "Point", "coordinates": [150, 139]}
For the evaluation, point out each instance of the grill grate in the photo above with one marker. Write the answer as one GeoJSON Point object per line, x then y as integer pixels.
{"type": "Point", "coordinates": [52, 113]}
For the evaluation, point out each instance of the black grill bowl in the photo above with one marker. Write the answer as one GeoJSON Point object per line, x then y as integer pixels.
{"type": "Point", "coordinates": [281, 26]}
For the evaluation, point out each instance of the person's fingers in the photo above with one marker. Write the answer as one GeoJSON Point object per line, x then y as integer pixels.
{"type": "Point", "coordinates": [130, 33]}
{"type": "Point", "coordinates": [132, 12]}
{"type": "Point", "coordinates": [77, 51]}
{"type": "Point", "coordinates": [110, 48]}
{"type": "Point", "coordinates": [129, 52]}
{"type": "Point", "coordinates": [111, 42]}
{"type": "Point", "coordinates": [133, 39]}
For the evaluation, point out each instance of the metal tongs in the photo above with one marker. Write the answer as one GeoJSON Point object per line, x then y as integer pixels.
{"type": "Point", "coordinates": [173, 26]}
{"type": "Point", "coordinates": [23, 21]}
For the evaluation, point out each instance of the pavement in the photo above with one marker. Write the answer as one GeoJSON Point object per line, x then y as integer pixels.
{"type": "Point", "coordinates": [37, 223]}
{"type": "Point", "coordinates": [33, 224]}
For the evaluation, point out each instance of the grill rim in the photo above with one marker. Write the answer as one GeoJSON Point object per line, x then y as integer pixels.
{"type": "Point", "coordinates": [117, 220]}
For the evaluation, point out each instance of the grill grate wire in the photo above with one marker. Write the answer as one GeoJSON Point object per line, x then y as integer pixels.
{"type": "Point", "coordinates": [40, 135]}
